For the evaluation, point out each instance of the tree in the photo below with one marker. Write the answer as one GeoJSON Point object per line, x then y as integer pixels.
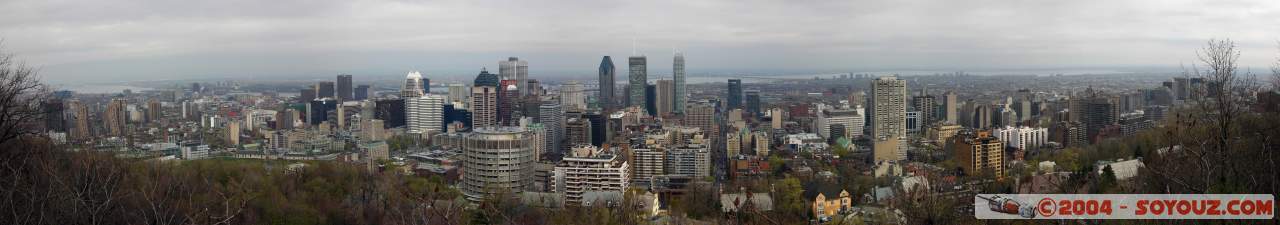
{"type": "Point", "coordinates": [20, 95]}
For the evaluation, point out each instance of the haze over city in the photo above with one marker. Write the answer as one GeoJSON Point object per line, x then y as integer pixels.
{"type": "Point", "coordinates": [79, 41]}
{"type": "Point", "coordinates": [639, 112]}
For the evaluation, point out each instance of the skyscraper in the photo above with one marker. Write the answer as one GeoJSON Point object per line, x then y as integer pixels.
{"type": "Point", "coordinates": [509, 110]}
{"type": "Point", "coordinates": [651, 99]}
{"type": "Point", "coordinates": [701, 116]}
{"type": "Point", "coordinates": [361, 92]}
{"type": "Point", "coordinates": [888, 107]}
{"type": "Point", "coordinates": [678, 74]}
{"type": "Point", "coordinates": [486, 79]}
{"type": "Point", "coordinates": [324, 89]}
{"type": "Point", "coordinates": [572, 96]}
{"type": "Point", "coordinates": [345, 90]}
{"type": "Point", "coordinates": [950, 107]}
{"type": "Point", "coordinates": [515, 69]}
{"type": "Point", "coordinates": [753, 103]}
{"type": "Point", "coordinates": [638, 80]}
{"type": "Point", "coordinates": [666, 97]}
{"type": "Point", "coordinates": [458, 94]}
{"type": "Point", "coordinates": [412, 86]}
{"type": "Point", "coordinates": [425, 114]}
{"type": "Point", "coordinates": [306, 95]}
{"type": "Point", "coordinates": [496, 160]}
{"type": "Point", "coordinates": [551, 115]}
{"type": "Point", "coordinates": [735, 94]}
{"type": "Point", "coordinates": [426, 85]}
{"type": "Point", "coordinates": [606, 98]}
{"type": "Point", "coordinates": [484, 106]}
{"type": "Point", "coordinates": [80, 117]}
{"type": "Point", "coordinates": [114, 118]}
{"type": "Point", "coordinates": [154, 111]}
{"type": "Point", "coordinates": [928, 108]}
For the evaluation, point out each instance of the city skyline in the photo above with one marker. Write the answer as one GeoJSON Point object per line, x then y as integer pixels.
{"type": "Point", "coordinates": [77, 41]}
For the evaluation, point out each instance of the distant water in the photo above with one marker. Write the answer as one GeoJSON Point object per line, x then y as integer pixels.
{"type": "Point", "coordinates": [99, 88]}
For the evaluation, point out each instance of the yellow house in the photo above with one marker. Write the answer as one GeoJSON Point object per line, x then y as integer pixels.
{"type": "Point", "coordinates": [828, 200]}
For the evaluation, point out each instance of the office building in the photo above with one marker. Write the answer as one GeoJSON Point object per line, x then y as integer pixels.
{"type": "Point", "coordinates": [346, 92]}
{"type": "Point", "coordinates": [425, 115]}
{"type": "Point", "coordinates": [306, 95]}
{"type": "Point", "coordinates": [638, 80]}
{"type": "Point", "coordinates": [114, 118]}
{"type": "Point", "coordinates": [361, 92]}
{"type": "Point", "coordinates": [681, 96]}
{"type": "Point", "coordinates": [572, 96]}
{"type": "Point", "coordinates": [577, 131]}
{"type": "Point", "coordinates": [509, 103]}
{"type": "Point", "coordinates": [484, 106]}
{"type": "Point", "coordinates": [486, 79]}
{"type": "Point", "coordinates": [927, 105]}
{"type": "Point", "coordinates": [949, 108]}
{"type": "Point", "coordinates": [753, 103]}
{"type": "Point", "coordinates": [735, 94]}
{"type": "Point", "coordinates": [325, 89]}
{"type": "Point", "coordinates": [666, 98]}
{"type": "Point", "coordinates": [319, 109]}
{"type": "Point", "coordinates": [551, 115]}
{"type": "Point", "coordinates": [518, 70]}
{"type": "Point", "coordinates": [496, 160]}
{"type": "Point", "coordinates": [606, 94]}
{"type": "Point", "coordinates": [702, 116]}
{"type": "Point", "coordinates": [651, 99]}
{"type": "Point", "coordinates": [390, 111]}
{"type": "Point", "coordinates": [412, 86]}
{"type": "Point", "coordinates": [80, 120]}
{"type": "Point", "coordinates": [458, 94]}
{"type": "Point", "coordinates": [888, 107]}
{"type": "Point", "coordinates": [851, 119]}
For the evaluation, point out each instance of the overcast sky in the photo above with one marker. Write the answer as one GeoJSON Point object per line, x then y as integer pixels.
{"type": "Point", "coordinates": [90, 40]}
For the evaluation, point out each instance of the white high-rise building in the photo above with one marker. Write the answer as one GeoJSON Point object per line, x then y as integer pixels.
{"type": "Point", "coordinates": [678, 75]}
{"type": "Point", "coordinates": [424, 114]}
{"type": "Point", "coordinates": [1023, 137]}
{"type": "Point", "coordinates": [888, 116]}
{"type": "Point", "coordinates": [888, 107]}
{"type": "Point", "coordinates": [589, 168]}
{"type": "Point", "coordinates": [412, 86]}
{"type": "Point", "coordinates": [572, 96]}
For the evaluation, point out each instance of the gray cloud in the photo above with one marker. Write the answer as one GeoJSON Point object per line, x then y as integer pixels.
{"type": "Point", "coordinates": [150, 39]}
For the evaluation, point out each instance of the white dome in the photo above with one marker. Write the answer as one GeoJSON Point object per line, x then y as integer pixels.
{"type": "Point", "coordinates": [414, 75]}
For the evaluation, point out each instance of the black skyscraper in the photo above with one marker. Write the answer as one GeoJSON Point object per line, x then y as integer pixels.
{"type": "Point", "coordinates": [651, 99]}
{"type": "Point", "coordinates": [753, 103]}
{"type": "Point", "coordinates": [344, 88]}
{"type": "Point", "coordinates": [324, 89]}
{"type": "Point", "coordinates": [390, 111]}
{"type": "Point", "coordinates": [319, 111]}
{"type": "Point", "coordinates": [306, 95]}
{"type": "Point", "coordinates": [361, 92]}
{"type": "Point", "coordinates": [606, 98]}
{"type": "Point", "coordinates": [735, 94]}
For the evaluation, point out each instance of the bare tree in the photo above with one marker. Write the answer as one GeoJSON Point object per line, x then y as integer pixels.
{"type": "Point", "coordinates": [20, 95]}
